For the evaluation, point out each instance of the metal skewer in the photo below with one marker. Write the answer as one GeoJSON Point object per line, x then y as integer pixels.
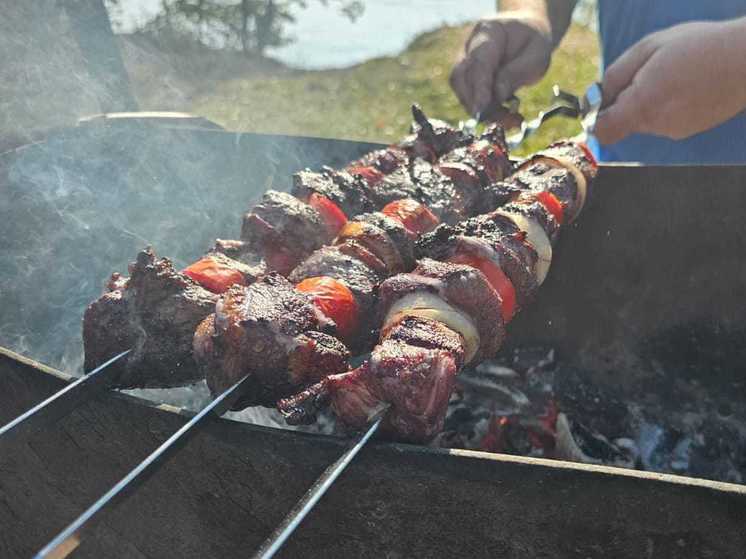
{"type": "Point", "coordinates": [64, 401]}
{"type": "Point", "coordinates": [301, 509]}
{"type": "Point", "coordinates": [69, 539]}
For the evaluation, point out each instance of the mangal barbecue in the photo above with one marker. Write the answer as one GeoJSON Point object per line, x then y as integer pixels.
{"type": "Point", "coordinates": [541, 367]}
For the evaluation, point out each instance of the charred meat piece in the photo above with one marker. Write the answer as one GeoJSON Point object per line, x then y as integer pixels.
{"type": "Point", "coordinates": [413, 370]}
{"type": "Point", "coordinates": [154, 312]}
{"type": "Point", "coordinates": [372, 167]}
{"type": "Point", "coordinates": [240, 251]}
{"type": "Point", "coordinates": [272, 333]}
{"type": "Point", "coordinates": [516, 257]}
{"type": "Point", "coordinates": [433, 137]}
{"type": "Point", "coordinates": [423, 182]}
{"type": "Point", "coordinates": [475, 307]}
{"type": "Point", "coordinates": [349, 193]}
{"type": "Point", "coordinates": [385, 237]}
{"type": "Point", "coordinates": [480, 165]}
{"type": "Point", "coordinates": [542, 177]}
{"type": "Point", "coordinates": [577, 159]}
{"type": "Point", "coordinates": [284, 230]}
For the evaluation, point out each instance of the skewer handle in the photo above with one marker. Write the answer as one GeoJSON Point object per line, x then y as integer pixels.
{"type": "Point", "coordinates": [301, 509]}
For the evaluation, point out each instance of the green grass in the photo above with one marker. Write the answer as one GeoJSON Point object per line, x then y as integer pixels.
{"type": "Point", "coordinates": [370, 101]}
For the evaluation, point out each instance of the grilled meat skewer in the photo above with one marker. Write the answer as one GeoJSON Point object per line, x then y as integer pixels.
{"type": "Point", "coordinates": [436, 319]}
{"type": "Point", "coordinates": [122, 315]}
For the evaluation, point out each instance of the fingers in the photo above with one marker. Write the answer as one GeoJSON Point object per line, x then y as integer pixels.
{"type": "Point", "coordinates": [620, 74]}
{"type": "Point", "coordinates": [473, 76]}
{"type": "Point", "coordinates": [525, 69]}
{"type": "Point", "coordinates": [480, 75]}
{"type": "Point", "coordinates": [622, 118]}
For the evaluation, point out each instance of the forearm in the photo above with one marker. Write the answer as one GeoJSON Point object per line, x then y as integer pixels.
{"type": "Point", "coordinates": [556, 13]}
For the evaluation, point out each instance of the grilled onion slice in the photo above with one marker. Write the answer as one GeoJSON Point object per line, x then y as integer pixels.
{"type": "Point", "coordinates": [537, 238]}
{"type": "Point", "coordinates": [429, 305]}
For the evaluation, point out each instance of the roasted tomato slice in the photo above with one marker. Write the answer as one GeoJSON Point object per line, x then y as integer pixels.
{"type": "Point", "coordinates": [552, 205]}
{"type": "Point", "coordinates": [335, 300]}
{"type": "Point", "coordinates": [497, 278]}
{"type": "Point", "coordinates": [370, 174]}
{"type": "Point", "coordinates": [213, 276]}
{"type": "Point", "coordinates": [416, 217]}
{"type": "Point", "coordinates": [334, 218]}
{"type": "Point", "coordinates": [589, 154]}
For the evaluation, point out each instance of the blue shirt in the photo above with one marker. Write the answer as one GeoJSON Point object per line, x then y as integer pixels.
{"type": "Point", "coordinates": [624, 22]}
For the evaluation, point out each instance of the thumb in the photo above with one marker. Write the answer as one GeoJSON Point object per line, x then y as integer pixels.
{"type": "Point", "coordinates": [621, 119]}
{"type": "Point", "coordinates": [621, 73]}
{"type": "Point", "coordinates": [528, 67]}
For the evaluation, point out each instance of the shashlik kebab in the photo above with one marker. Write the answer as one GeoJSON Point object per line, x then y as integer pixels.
{"type": "Point", "coordinates": [288, 333]}
{"type": "Point", "coordinates": [452, 309]}
{"type": "Point", "coordinates": [272, 333]}
{"type": "Point", "coordinates": [156, 309]}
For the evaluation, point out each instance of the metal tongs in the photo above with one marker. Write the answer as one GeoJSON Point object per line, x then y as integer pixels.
{"type": "Point", "coordinates": [562, 104]}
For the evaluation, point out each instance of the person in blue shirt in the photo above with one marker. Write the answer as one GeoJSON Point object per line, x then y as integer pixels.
{"type": "Point", "coordinates": [674, 82]}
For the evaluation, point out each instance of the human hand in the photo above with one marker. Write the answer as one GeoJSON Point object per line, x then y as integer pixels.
{"type": "Point", "coordinates": [503, 53]}
{"type": "Point", "coordinates": [676, 82]}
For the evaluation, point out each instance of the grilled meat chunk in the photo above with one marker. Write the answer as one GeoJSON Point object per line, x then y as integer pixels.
{"type": "Point", "coordinates": [514, 255]}
{"type": "Point", "coordinates": [413, 370]}
{"type": "Point", "coordinates": [154, 312]}
{"type": "Point", "coordinates": [434, 137]}
{"type": "Point", "coordinates": [349, 193]}
{"type": "Point", "coordinates": [283, 230]}
{"type": "Point", "coordinates": [272, 333]}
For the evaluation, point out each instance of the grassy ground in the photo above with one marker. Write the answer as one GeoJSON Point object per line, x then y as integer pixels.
{"type": "Point", "coordinates": [371, 101]}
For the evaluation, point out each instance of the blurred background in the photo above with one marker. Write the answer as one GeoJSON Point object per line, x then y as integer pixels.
{"type": "Point", "coordinates": [331, 68]}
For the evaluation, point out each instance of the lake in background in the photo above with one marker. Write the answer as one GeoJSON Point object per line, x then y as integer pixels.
{"type": "Point", "coordinates": [324, 38]}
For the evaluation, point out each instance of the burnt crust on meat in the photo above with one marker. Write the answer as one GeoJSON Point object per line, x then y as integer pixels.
{"type": "Point", "coordinates": [398, 234]}
{"type": "Point", "coordinates": [154, 313]}
{"type": "Point", "coordinates": [542, 177]}
{"type": "Point", "coordinates": [272, 333]}
{"type": "Point", "coordinates": [349, 193]}
{"type": "Point", "coordinates": [517, 258]}
{"type": "Point", "coordinates": [281, 221]}
{"type": "Point", "coordinates": [241, 252]}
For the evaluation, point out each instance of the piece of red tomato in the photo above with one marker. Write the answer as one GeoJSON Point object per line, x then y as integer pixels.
{"type": "Point", "coordinates": [495, 276]}
{"type": "Point", "coordinates": [370, 174]}
{"type": "Point", "coordinates": [416, 217]}
{"type": "Point", "coordinates": [589, 154]}
{"type": "Point", "coordinates": [334, 218]}
{"type": "Point", "coordinates": [335, 300]}
{"type": "Point", "coordinates": [552, 205]}
{"type": "Point", "coordinates": [214, 276]}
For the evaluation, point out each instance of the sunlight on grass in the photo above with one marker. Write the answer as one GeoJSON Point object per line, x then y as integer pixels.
{"type": "Point", "coordinates": [370, 101]}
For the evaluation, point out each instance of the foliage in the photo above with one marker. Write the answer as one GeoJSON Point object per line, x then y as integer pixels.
{"type": "Point", "coordinates": [249, 25]}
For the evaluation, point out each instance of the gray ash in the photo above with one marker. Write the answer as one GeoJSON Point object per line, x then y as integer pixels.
{"type": "Point", "coordinates": [529, 403]}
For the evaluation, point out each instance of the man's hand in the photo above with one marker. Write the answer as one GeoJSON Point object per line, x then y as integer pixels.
{"type": "Point", "coordinates": [503, 53]}
{"type": "Point", "coordinates": [676, 82]}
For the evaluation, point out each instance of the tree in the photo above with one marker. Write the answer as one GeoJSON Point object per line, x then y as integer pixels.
{"type": "Point", "coordinates": [248, 25]}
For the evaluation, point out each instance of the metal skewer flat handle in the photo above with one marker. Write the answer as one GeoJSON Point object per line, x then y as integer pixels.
{"type": "Point", "coordinates": [63, 402]}
{"type": "Point", "coordinates": [301, 509]}
{"type": "Point", "coordinates": [69, 539]}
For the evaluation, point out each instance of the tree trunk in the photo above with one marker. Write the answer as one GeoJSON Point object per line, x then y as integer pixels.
{"type": "Point", "coordinates": [92, 31]}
